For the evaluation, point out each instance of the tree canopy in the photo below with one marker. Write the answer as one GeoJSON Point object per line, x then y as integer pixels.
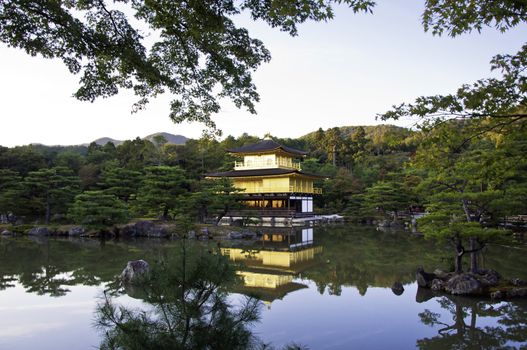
{"type": "Point", "coordinates": [502, 98]}
{"type": "Point", "coordinates": [191, 49]}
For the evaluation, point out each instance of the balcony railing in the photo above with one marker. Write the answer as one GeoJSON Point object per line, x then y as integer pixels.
{"type": "Point", "coordinates": [282, 189]}
{"type": "Point", "coordinates": [266, 165]}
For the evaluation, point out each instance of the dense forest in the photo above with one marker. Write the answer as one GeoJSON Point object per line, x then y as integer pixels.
{"type": "Point", "coordinates": [373, 172]}
{"type": "Point", "coordinates": [142, 178]}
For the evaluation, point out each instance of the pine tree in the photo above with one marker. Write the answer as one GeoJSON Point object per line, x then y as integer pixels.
{"type": "Point", "coordinates": [52, 190]}
{"type": "Point", "coordinates": [160, 190]}
{"type": "Point", "coordinates": [98, 210]}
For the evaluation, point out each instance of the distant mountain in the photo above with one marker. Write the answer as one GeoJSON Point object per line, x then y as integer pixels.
{"type": "Point", "coordinates": [104, 140]}
{"type": "Point", "coordinates": [371, 131]}
{"type": "Point", "coordinates": [171, 139]}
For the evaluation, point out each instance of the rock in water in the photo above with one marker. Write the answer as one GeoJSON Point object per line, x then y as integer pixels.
{"type": "Point", "coordinates": [437, 285]}
{"type": "Point", "coordinates": [423, 278]}
{"type": "Point", "coordinates": [7, 233]}
{"type": "Point", "coordinates": [518, 282]}
{"type": "Point", "coordinates": [397, 288]}
{"type": "Point", "coordinates": [496, 295]}
{"type": "Point", "coordinates": [488, 278]}
{"type": "Point", "coordinates": [442, 274]}
{"type": "Point", "coordinates": [76, 231]}
{"type": "Point", "coordinates": [145, 228]}
{"type": "Point", "coordinates": [517, 293]}
{"type": "Point", "coordinates": [134, 269]}
{"type": "Point", "coordinates": [463, 284]}
{"type": "Point", "coordinates": [39, 231]}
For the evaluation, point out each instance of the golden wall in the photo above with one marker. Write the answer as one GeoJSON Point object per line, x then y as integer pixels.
{"type": "Point", "coordinates": [275, 184]}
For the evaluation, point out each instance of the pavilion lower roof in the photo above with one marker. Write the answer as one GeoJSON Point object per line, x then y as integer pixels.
{"type": "Point", "coordinates": [260, 172]}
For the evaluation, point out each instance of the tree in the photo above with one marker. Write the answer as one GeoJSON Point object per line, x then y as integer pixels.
{"type": "Point", "coordinates": [340, 190]}
{"type": "Point", "coordinates": [97, 210]}
{"type": "Point", "coordinates": [198, 54]}
{"type": "Point", "coordinates": [211, 198]}
{"type": "Point", "coordinates": [71, 160]}
{"type": "Point", "coordinates": [160, 190]}
{"type": "Point", "coordinates": [389, 198]}
{"type": "Point", "coordinates": [11, 189]}
{"type": "Point", "coordinates": [136, 154]}
{"type": "Point", "coordinates": [159, 140]}
{"type": "Point", "coordinates": [52, 190]}
{"type": "Point", "coordinates": [358, 143]}
{"type": "Point", "coordinates": [473, 185]}
{"type": "Point", "coordinates": [22, 159]}
{"type": "Point", "coordinates": [120, 182]}
{"type": "Point", "coordinates": [502, 100]}
{"type": "Point", "coordinates": [467, 184]}
{"type": "Point", "coordinates": [98, 154]}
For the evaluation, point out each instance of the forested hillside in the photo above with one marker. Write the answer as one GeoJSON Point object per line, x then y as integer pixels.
{"type": "Point", "coordinates": [373, 172]}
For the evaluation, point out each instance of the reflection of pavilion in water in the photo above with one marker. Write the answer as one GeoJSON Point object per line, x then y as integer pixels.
{"type": "Point", "coordinates": [270, 267]}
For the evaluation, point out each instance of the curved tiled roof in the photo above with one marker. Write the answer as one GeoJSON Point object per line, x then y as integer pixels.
{"type": "Point", "coordinates": [260, 172]}
{"type": "Point", "coordinates": [264, 146]}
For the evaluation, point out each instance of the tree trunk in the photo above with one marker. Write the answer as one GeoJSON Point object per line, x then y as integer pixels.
{"type": "Point", "coordinates": [473, 255]}
{"type": "Point", "coordinates": [48, 210]}
{"type": "Point", "coordinates": [466, 210]}
{"type": "Point", "coordinates": [457, 263]}
{"type": "Point", "coordinates": [458, 267]}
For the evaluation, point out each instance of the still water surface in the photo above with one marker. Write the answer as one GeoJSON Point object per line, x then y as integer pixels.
{"type": "Point", "coordinates": [325, 289]}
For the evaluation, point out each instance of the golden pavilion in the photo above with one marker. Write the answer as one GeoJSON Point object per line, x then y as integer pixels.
{"type": "Point", "coordinates": [272, 181]}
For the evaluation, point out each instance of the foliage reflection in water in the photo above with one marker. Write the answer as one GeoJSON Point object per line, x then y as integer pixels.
{"type": "Point", "coordinates": [458, 327]}
{"type": "Point", "coordinates": [187, 293]}
{"type": "Point", "coordinates": [333, 284]}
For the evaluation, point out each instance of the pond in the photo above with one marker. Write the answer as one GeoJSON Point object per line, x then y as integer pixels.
{"type": "Point", "coordinates": [320, 288]}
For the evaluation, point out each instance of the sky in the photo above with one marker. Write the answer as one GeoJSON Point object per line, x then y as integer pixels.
{"type": "Point", "coordinates": [337, 73]}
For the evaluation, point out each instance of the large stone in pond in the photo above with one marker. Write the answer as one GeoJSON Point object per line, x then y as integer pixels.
{"type": "Point", "coordinates": [39, 231]}
{"type": "Point", "coordinates": [397, 288]}
{"type": "Point", "coordinates": [518, 282]}
{"type": "Point", "coordinates": [520, 292]}
{"type": "Point", "coordinates": [442, 274]}
{"type": "Point", "coordinates": [437, 285]}
{"type": "Point", "coordinates": [134, 269]}
{"type": "Point", "coordinates": [76, 231]}
{"type": "Point", "coordinates": [463, 284]}
{"type": "Point", "coordinates": [496, 295]}
{"type": "Point", "coordinates": [145, 228]}
{"type": "Point", "coordinates": [488, 277]}
{"type": "Point", "coordinates": [424, 279]}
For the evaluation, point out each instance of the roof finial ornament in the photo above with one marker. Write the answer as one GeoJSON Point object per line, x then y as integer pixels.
{"type": "Point", "coordinates": [268, 136]}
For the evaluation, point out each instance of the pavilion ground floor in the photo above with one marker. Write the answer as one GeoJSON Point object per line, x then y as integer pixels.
{"type": "Point", "coordinates": [279, 205]}
{"type": "Point", "coordinates": [276, 210]}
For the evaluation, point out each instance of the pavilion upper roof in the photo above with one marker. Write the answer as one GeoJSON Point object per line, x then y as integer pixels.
{"type": "Point", "coordinates": [267, 146]}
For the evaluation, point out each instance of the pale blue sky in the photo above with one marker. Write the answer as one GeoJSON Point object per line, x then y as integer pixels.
{"type": "Point", "coordinates": [342, 72]}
